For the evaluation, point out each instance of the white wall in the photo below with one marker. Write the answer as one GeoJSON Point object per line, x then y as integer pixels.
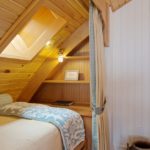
{"type": "Point", "coordinates": [128, 72]}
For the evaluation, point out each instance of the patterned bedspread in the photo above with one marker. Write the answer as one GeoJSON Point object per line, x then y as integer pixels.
{"type": "Point", "coordinates": [69, 122]}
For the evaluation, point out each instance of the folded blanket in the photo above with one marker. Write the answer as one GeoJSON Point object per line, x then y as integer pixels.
{"type": "Point", "coordinates": [69, 122]}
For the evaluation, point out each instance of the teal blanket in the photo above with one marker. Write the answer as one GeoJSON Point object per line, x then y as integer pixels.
{"type": "Point", "coordinates": [69, 122]}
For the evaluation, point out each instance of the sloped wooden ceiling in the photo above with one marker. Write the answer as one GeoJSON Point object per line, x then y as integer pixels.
{"type": "Point", "coordinates": [13, 15]}
{"type": "Point", "coordinates": [21, 78]}
{"type": "Point", "coordinates": [28, 42]}
{"type": "Point", "coordinates": [9, 13]}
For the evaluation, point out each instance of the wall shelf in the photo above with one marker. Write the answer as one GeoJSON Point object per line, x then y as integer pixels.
{"type": "Point", "coordinates": [76, 57]}
{"type": "Point", "coordinates": [73, 57]}
{"type": "Point", "coordinates": [65, 81]}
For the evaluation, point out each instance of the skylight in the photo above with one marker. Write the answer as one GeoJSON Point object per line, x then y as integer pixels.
{"type": "Point", "coordinates": [33, 37]}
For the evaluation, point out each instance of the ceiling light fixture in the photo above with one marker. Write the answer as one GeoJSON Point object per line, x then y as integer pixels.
{"type": "Point", "coordinates": [48, 43]}
{"type": "Point", "coordinates": [60, 56]}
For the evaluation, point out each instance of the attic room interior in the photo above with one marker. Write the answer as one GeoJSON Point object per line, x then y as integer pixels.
{"type": "Point", "coordinates": [74, 74]}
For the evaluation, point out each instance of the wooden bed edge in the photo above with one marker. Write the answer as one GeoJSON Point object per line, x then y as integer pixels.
{"type": "Point", "coordinates": [81, 146]}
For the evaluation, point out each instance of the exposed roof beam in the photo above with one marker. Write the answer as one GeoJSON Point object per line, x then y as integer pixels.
{"type": "Point", "coordinates": [49, 65]}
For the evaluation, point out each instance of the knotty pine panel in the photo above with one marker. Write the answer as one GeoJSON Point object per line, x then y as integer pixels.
{"type": "Point", "coordinates": [16, 74]}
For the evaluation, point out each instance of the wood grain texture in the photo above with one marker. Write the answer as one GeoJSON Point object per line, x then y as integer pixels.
{"type": "Point", "coordinates": [18, 22]}
{"type": "Point", "coordinates": [78, 93]}
{"type": "Point", "coordinates": [32, 38]}
{"type": "Point", "coordinates": [17, 13]}
{"type": "Point", "coordinates": [49, 65]}
{"type": "Point", "coordinates": [81, 65]}
{"type": "Point", "coordinates": [21, 72]}
{"type": "Point", "coordinates": [15, 75]}
{"type": "Point", "coordinates": [56, 88]}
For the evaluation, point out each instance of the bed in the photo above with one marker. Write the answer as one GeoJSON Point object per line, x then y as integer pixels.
{"type": "Point", "coordinates": [25, 126]}
{"type": "Point", "coordinates": [23, 134]}
{"type": "Point", "coordinates": [15, 134]}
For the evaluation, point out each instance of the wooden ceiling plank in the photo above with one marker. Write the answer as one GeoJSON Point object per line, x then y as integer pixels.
{"type": "Point", "coordinates": [67, 8]}
{"type": "Point", "coordinates": [11, 6]}
{"type": "Point", "coordinates": [7, 16]}
{"type": "Point", "coordinates": [15, 28]}
{"type": "Point", "coordinates": [4, 25]}
{"type": "Point", "coordinates": [61, 13]}
{"type": "Point", "coordinates": [7, 13]}
{"type": "Point", "coordinates": [1, 33]}
{"type": "Point", "coordinates": [76, 38]}
{"type": "Point", "coordinates": [78, 6]}
{"type": "Point", "coordinates": [23, 3]}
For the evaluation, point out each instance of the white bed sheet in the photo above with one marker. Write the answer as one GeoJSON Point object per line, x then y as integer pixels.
{"type": "Point", "coordinates": [23, 134]}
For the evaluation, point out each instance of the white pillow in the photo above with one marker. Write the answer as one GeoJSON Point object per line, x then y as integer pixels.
{"type": "Point", "coordinates": [5, 99]}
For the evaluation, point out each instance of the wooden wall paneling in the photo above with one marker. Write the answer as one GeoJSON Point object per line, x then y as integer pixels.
{"type": "Point", "coordinates": [81, 65]}
{"type": "Point", "coordinates": [75, 55]}
{"type": "Point", "coordinates": [55, 71]}
{"type": "Point", "coordinates": [10, 65]}
{"type": "Point", "coordinates": [76, 38]}
{"type": "Point", "coordinates": [78, 92]}
{"type": "Point", "coordinates": [12, 6]}
{"type": "Point", "coordinates": [14, 74]}
{"type": "Point", "coordinates": [12, 85]}
{"type": "Point", "coordinates": [21, 71]}
{"type": "Point", "coordinates": [81, 50]}
{"type": "Point", "coordinates": [52, 92]}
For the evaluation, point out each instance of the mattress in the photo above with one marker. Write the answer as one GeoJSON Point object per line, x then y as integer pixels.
{"type": "Point", "coordinates": [23, 134]}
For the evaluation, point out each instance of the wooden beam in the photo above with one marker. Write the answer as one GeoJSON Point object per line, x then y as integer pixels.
{"type": "Point", "coordinates": [49, 65]}
{"type": "Point", "coordinates": [104, 9]}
